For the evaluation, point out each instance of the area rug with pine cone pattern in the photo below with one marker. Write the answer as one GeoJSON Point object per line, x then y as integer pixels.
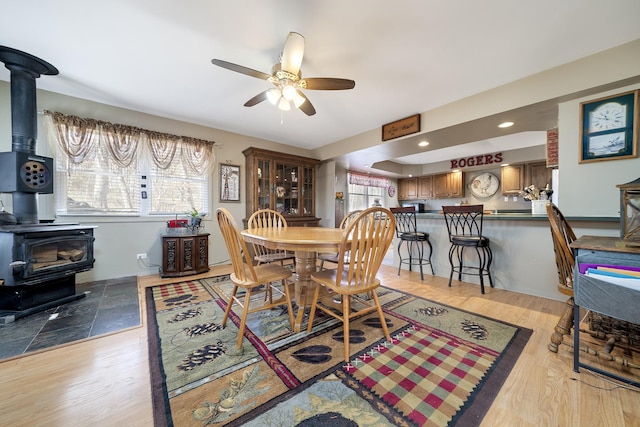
{"type": "Point", "coordinates": [443, 366]}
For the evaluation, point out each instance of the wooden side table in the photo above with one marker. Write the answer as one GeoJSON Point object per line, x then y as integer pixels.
{"type": "Point", "coordinates": [184, 255]}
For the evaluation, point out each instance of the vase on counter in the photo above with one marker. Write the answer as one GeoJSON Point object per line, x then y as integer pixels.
{"type": "Point", "coordinates": [539, 207]}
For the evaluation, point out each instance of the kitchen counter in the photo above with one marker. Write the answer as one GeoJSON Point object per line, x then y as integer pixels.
{"type": "Point", "coordinates": [523, 256]}
{"type": "Point", "coordinates": [522, 216]}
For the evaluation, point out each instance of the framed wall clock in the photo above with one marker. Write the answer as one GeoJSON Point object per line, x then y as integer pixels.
{"type": "Point", "coordinates": [609, 128]}
{"type": "Point", "coordinates": [484, 185]}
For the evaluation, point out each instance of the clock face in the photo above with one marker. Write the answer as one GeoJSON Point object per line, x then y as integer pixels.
{"type": "Point", "coordinates": [391, 190]}
{"type": "Point", "coordinates": [611, 115]}
{"type": "Point", "coordinates": [484, 185]}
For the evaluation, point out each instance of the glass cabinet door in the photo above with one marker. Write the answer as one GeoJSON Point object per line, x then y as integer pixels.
{"type": "Point", "coordinates": [287, 189]}
{"type": "Point", "coordinates": [307, 192]}
{"type": "Point", "coordinates": [264, 184]}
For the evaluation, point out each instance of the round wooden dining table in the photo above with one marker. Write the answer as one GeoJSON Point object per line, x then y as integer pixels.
{"type": "Point", "coordinates": [306, 243]}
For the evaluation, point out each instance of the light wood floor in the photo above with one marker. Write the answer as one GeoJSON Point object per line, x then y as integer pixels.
{"type": "Point", "coordinates": [105, 381]}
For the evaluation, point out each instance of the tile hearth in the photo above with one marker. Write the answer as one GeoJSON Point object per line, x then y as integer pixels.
{"type": "Point", "coordinates": [109, 306]}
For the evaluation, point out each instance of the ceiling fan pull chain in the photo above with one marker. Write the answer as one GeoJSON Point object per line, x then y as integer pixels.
{"type": "Point", "coordinates": [281, 117]}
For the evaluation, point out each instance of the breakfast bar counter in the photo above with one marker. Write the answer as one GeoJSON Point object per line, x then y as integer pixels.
{"type": "Point", "coordinates": [523, 216]}
{"type": "Point", "coordinates": [523, 257]}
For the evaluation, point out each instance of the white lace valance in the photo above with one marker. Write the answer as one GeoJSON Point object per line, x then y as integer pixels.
{"type": "Point", "coordinates": [369, 180]}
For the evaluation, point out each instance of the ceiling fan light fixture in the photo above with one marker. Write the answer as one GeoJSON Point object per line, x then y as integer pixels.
{"type": "Point", "coordinates": [286, 78]}
{"type": "Point", "coordinates": [289, 92]}
{"type": "Point", "coordinates": [273, 95]}
{"type": "Point", "coordinates": [284, 104]}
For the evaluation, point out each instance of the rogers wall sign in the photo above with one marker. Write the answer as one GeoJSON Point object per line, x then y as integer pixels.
{"type": "Point", "coordinates": [483, 159]}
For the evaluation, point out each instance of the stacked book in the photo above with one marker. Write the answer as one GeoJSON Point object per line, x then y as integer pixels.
{"type": "Point", "coordinates": [627, 276]}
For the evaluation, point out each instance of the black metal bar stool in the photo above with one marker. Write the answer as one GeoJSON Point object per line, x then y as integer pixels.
{"type": "Point", "coordinates": [464, 225]}
{"type": "Point", "coordinates": [407, 232]}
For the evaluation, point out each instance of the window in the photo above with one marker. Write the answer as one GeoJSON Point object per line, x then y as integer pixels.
{"type": "Point", "coordinates": [177, 189]}
{"type": "Point", "coordinates": [106, 169]}
{"type": "Point", "coordinates": [96, 186]}
{"type": "Point", "coordinates": [363, 190]}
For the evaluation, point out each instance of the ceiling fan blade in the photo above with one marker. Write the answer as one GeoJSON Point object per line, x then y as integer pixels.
{"type": "Point", "coordinates": [257, 99]}
{"type": "Point", "coordinates": [306, 106]}
{"type": "Point", "coordinates": [327, 83]}
{"type": "Point", "coordinates": [240, 69]}
{"type": "Point", "coordinates": [292, 53]}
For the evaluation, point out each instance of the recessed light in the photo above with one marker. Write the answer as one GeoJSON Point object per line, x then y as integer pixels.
{"type": "Point", "coordinates": [504, 164]}
{"type": "Point", "coordinates": [423, 143]}
{"type": "Point", "coordinates": [505, 125]}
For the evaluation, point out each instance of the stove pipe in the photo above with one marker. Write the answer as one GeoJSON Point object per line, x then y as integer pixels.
{"type": "Point", "coordinates": [24, 173]}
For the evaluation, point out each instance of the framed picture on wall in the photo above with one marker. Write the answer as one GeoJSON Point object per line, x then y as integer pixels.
{"type": "Point", "coordinates": [229, 183]}
{"type": "Point", "coordinates": [609, 128]}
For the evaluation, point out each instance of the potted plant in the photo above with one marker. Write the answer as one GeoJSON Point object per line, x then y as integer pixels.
{"type": "Point", "coordinates": [195, 219]}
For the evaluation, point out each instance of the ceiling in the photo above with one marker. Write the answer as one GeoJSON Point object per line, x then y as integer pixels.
{"type": "Point", "coordinates": [406, 57]}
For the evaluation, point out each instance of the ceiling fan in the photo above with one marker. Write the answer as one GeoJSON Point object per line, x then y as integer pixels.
{"type": "Point", "coordinates": [287, 79]}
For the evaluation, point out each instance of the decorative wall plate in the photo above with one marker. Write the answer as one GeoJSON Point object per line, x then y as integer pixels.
{"type": "Point", "coordinates": [391, 190]}
{"type": "Point", "coordinates": [484, 185]}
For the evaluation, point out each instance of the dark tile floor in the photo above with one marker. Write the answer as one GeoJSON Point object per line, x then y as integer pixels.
{"type": "Point", "coordinates": [109, 306]}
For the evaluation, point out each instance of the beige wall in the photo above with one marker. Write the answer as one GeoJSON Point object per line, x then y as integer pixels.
{"type": "Point", "coordinates": [569, 81]}
{"type": "Point", "coordinates": [589, 189]}
{"type": "Point", "coordinates": [585, 189]}
{"type": "Point", "coordinates": [118, 240]}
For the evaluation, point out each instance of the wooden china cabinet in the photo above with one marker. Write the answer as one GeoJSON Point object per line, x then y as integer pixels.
{"type": "Point", "coordinates": [282, 182]}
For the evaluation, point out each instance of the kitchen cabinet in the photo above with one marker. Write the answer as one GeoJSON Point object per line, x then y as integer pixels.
{"type": "Point", "coordinates": [456, 184]}
{"type": "Point", "coordinates": [425, 187]}
{"type": "Point", "coordinates": [538, 174]}
{"type": "Point", "coordinates": [184, 255]}
{"type": "Point", "coordinates": [407, 188]}
{"type": "Point", "coordinates": [282, 182]}
{"type": "Point", "coordinates": [448, 185]}
{"type": "Point", "coordinates": [512, 178]}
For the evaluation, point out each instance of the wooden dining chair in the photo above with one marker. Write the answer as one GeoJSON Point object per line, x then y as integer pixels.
{"type": "Point", "coordinates": [249, 277]}
{"type": "Point", "coordinates": [265, 218]}
{"type": "Point", "coordinates": [562, 236]}
{"type": "Point", "coordinates": [364, 244]}
{"type": "Point", "coordinates": [333, 257]}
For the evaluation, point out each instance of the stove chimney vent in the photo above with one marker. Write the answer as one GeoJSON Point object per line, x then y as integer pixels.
{"type": "Point", "coordinates": [23, 172]}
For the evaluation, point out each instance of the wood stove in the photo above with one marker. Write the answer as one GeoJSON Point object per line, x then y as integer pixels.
{"type": "Point", "coordinates": [38, 261]}
{"type": "Point", "coordinates": [42, 262]}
